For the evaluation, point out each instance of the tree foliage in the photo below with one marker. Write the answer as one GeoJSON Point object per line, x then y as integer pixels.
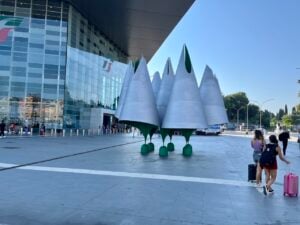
{"type": "Point", "coordinates": [287, 120]}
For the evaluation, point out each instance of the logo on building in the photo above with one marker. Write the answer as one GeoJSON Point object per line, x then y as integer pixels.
{"type": "Point", "coordinates": [106, 65]}
{"type": "Point", "coordinates": [8, 23]}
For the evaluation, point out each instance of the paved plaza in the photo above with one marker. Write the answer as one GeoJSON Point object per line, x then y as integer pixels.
{"type": "Point", "coordinates": [104, 180]}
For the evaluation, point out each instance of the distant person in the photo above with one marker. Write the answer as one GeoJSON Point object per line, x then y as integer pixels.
{"type": "Point", "coordinates": [298, 140]}
{"type": "Point", "coordinates": [258, 143]}
{"type": "Point", "coordinates": [284, 137]}
{"type": "Point", "coordinates": [42, 130]}
{"type": "Point", "coordinates": [268, 162]}
{"type": "Point", "coordinates": [2, 128]}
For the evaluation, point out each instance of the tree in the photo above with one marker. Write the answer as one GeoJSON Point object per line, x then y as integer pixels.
{"type": "Point", "coordinates": [253, 114]}
{"type": "Point", "coordinates": [280, 114]}
{"type": "Point", "coordinates": [234, 102]}
{"type": "Point", "coordinates": [287, 120]}
{"type": "Point", "coordinates": [285, 109]}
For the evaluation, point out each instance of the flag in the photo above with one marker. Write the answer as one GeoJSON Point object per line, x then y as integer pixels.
{"type": "Point", "coordinates": [8, 23]}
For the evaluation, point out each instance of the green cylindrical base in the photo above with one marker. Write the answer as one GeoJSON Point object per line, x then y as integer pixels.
{"type": "Point", "coordinates": [144, 149]}
{"type": "Point", "coordinates": [163, 151]}
{"type": "Point", "coordinates": [170, 147]}
{"type": "Point", "coordinates": [187, 150]}
{"type": "Point", "coordinates": [151, 147]}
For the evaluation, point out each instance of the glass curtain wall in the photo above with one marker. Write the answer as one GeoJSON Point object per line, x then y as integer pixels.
{"type": "Point", "coordinates": [94, 74]}
{"type": "Point", "coordinates": [33, 45]}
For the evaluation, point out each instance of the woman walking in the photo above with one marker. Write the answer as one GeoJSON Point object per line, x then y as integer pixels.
{"type": "Point", "coordinates": [268, 162]}
{"type": "Point", "coordinates": [258, 143]}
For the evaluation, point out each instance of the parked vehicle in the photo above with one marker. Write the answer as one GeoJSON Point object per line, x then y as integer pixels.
{"type": "Point", "coordinates": [211, 130]}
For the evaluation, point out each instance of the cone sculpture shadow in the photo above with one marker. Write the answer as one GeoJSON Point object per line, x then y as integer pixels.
{"type": "Point", "coordinates": [185, 112]}
{"type": "Point", "coordinates": [126, 82]}
{"type": "Point", "coordinates": [162, 100]}
{"type": "Point", "coordinates": [139, 108]}
{"type": "Point", "coordinates": [212, 98]}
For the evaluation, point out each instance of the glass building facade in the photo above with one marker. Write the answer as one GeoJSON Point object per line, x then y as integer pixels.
{"type": "Point", "coordinates": [56, 68]}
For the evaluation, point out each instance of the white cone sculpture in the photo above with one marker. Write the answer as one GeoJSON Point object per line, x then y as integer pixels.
{"type": "Point", "coordinates": [185, 111]}
{"type": "Point", "coordinates": [139, 109]}
{"type": "Point", "coordinates": [156, 83]}
{"type": "Point", "coordinates": [162, 102]}
{"type": "Point", "coordinates": [165, 89]}
{"type": "Point", "coordinates": [127, 79]}
{"type": "Point", "coordinates": [212, 98]}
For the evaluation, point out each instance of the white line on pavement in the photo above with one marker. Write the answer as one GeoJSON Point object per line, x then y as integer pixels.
{"type": "Point", "coordinates": [132, 175]}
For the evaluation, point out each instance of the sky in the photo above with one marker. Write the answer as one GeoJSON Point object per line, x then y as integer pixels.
{"type": "Point", "coordinates": [251, 45]}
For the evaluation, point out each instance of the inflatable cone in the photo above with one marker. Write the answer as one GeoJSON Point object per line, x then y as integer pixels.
{"type": "Point", "coordinates": [127, 79]}
{"type": "Point", "coordinates": [212, 98]}
{"type": "Point", "coordinates": [139, 109]}
{"type": "Point", "coordinates": [184, 111]}
{"type": "Point", "coordinates": [156, 84]}
{"type": "Point", "coordinates": [162, 100]}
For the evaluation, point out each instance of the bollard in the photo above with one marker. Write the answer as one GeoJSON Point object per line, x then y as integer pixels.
{"type": "Point", "coordinates": [55, 132]}
{"type": "Point", "coordinates": [21, 130]}
{"type": "Point", "coordinates": [31, 129]}
{"type": "Point", "coordinates": [51, 132]}
{"type": "Point", "coordinates": [98, 132]}
{"type": "Point", "coordinates": [83, 132]}
{"type": "Point", "coordinates": [64, 132]}
{"type": "Point", "coordinates": [77, 132]}
{"type": "Point", "coordinates": [71, 132]}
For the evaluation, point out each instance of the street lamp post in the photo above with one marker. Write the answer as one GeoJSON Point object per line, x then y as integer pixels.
{"type": "Point", "coordinates": [260, 110]}
{"type": "Point", "coordinates": [247, 118]}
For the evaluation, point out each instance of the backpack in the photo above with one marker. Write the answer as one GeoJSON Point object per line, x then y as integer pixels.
{"type": "Point", "coordinates": [268, 156]}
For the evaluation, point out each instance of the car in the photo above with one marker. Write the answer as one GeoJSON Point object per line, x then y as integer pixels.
{"type": "Point", "coordinates": [211, 130]}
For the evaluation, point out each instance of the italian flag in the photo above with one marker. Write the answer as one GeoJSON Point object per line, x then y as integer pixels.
{"type": "Point", "coordinates": [8, 23]}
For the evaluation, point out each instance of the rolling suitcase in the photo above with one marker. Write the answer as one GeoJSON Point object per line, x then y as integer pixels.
{"type": "Point", "coordinates": [251, 172]}
{"type": "Point", "coordinates": [290, 185]}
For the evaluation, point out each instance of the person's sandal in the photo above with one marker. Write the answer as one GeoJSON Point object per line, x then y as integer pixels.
{"type": "Point", "coordinates": [265, 190]}
{"type": "Point", "coordinates": [271, 190]}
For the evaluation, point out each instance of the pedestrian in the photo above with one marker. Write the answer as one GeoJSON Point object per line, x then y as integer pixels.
{"type": "Point", "coordinates": [284, 137]}
{"type": "Point", "coordinates": [298, 140]}
{"type": "Point", "coordinates": [268, 162]}
{"type": "Point", "coordinates": [2, 128]}
{"type": "Point", "coordinates": [258, 143]}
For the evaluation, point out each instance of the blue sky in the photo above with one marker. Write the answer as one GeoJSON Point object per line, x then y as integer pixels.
{"type": "Point", "coordinates": [251, 45]}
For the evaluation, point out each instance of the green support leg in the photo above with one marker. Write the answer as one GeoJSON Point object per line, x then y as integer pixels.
{"type": "Point", "coordinates": [170, 147]}
{"type": "Point", "coordinates": [187, 150]}
{"type": "Point", "coordinates": [163, 151]}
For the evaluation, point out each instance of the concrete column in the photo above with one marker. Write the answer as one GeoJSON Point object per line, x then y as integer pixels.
{"type": "Point", "coordinates": [71, 132]}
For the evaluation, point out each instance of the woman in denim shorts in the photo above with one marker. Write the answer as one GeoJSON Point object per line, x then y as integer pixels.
{"type": "Point", "coordinates": [258, 144]}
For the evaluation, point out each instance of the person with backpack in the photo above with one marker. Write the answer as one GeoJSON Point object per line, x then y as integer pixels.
{"type": "Point", "coordinates": [268, 162]}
